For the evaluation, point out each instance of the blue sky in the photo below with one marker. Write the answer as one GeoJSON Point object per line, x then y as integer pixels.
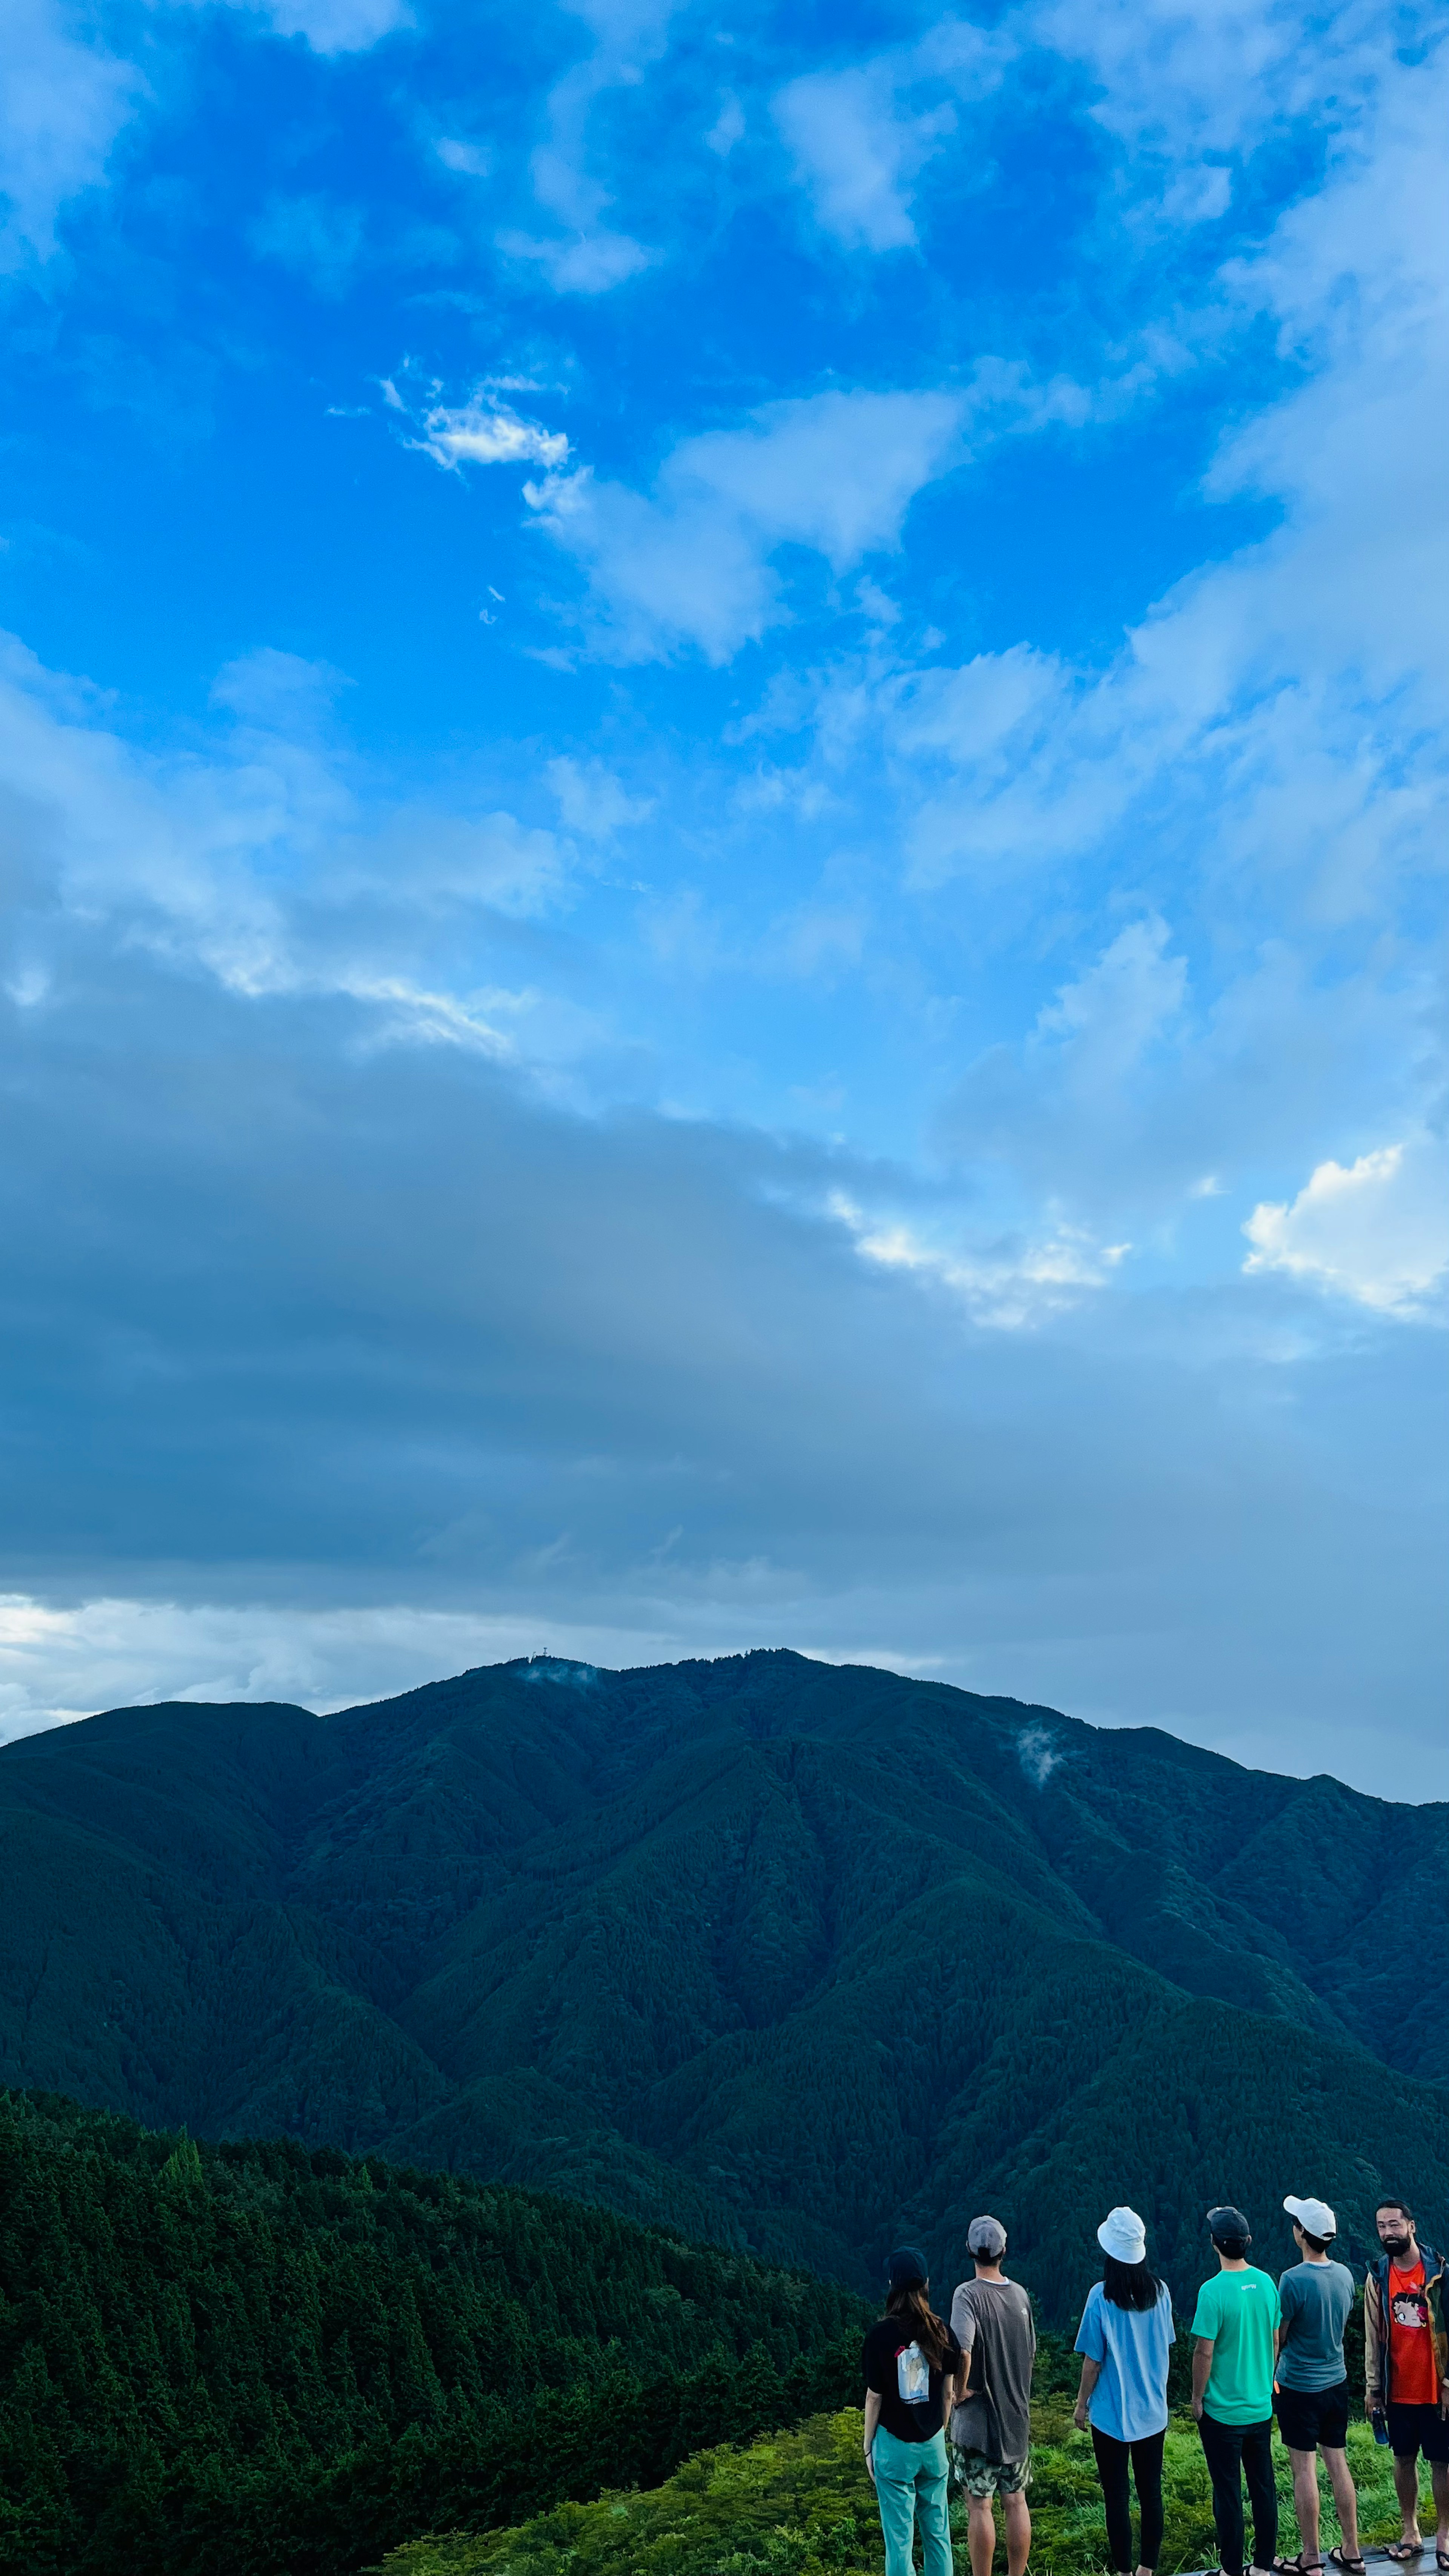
{"type": "Point", "coordinates": [722, 786]}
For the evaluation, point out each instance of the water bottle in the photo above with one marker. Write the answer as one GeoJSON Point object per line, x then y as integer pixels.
{"type": "Point", "coordinates": [1380, 2424]}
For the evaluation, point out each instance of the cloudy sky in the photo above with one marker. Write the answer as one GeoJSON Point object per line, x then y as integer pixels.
{"type": "Point", "coordinates": [722, 790]}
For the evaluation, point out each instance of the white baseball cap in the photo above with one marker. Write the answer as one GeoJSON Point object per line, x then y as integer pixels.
{"type": "Point", "coordinates": [1313, 2216]}
{"type": "Point", "coordinates": [1123, 2234]}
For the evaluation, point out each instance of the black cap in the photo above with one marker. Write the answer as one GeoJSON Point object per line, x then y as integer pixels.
{"type": "Point", "coordinates": [1226, 2223]}
{"type": "Point", "coordinates": [906, 2269]}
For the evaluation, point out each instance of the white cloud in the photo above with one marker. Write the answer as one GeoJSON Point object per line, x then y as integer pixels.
{"type": "Point", "coordinates": [856, 153]}
{"type": "Point", "coordinates": [63, 103]}
{"type": "Point", "coordinates": [484, 432]}
{"type": "Point", "coordinates": [728, 128]}
{"type": "Point", "coordinates": [257, 863]}
{"type": "Point", "coordinates": [587, 263]}
{"type": "Point", "coordinates": [860, 136]}
{"type": "Point", "coordinates": [592, 801]}
{"type": "Point", "coordinates": [467, 160]}
{"type": "Point", "coordinates": [1376, 1230]}
{"type": "Point", "coordinates": [1107, 1019]}
{"type": "Point", "coordinates": [1294, 685]}
{"type": "Point", "coordinates": [836, 473]}
{"type": "Point", "coordinates": [1007, 1283]}
{"type": "Point", "coordinates": [589, 256]}
{"type": "Point", "coordinates": [1178, 78]}
{"type": "Point", "coordinates": [1200, 194]}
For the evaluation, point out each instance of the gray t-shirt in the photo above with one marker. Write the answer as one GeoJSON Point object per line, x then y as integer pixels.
{"type": "Point", "coordinates": [993, 2323]}
{"type": "Point", "coordinates": [1316, 2299]}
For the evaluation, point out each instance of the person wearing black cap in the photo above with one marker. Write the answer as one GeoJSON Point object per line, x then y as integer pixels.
{"type": "Point", "coordinates": [910, 2362]}
{"type": "Point", "coordinates": [1236, 2327]}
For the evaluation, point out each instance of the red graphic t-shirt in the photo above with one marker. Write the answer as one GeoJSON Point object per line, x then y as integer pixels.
{"type": "Point", "coordinates": [1413, 2372]}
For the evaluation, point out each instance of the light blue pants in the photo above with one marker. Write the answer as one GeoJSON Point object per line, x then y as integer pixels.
{"type": "Point", "coordinates": [910, 2487]}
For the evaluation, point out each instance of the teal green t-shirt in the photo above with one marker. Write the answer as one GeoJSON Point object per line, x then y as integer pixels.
{"type": "Point", "coordinates": [1238, 2314]}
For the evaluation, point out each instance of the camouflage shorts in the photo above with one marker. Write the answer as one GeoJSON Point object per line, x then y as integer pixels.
{"type": "Point", "coordinates": [984, 2478]}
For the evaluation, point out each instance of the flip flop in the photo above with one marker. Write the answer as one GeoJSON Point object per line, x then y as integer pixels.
{"type": "Point", "coordinates": [1299, 2566]}
{"type": "Point", "coordinates": [1351, 2566]}
{"type": "Point", "coordinates": [1400, 2550]}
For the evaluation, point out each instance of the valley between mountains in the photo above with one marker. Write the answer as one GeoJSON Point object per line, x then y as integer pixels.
{"type": "Point", "coordinates": [795, 1957]}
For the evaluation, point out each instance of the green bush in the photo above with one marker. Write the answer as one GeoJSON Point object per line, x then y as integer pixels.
{"type": "Point", "coordinates": [801, 2504]}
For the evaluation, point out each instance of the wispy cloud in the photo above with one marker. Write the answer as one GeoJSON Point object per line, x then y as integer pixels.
{"type": "Point", "coordinates": [691, 562]}
{"type": "Point", "coordinates": [329, 26]}
{"type": "Point", "coordinates": [860, 136]}
{"type": "Point", "coordinates": [63, 103]}
{"type": "Point", "coordinates": [1005, 1283]}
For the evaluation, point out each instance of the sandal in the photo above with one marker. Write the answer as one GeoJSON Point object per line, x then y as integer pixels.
{"type": "Point", "coordinates": [1400, 2550]}
{"type": "Point", "coordinates": [1299, 2566]}
{"type": "Point", "coordinates": [1351, 2566]}
{"type": "Point", "coordinates": [1441, 2561]}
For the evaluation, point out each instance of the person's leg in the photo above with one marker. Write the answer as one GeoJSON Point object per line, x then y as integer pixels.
{"type": "Point", "coordinates": [1112, 2458]}
{"type": "Point", "coordinates": [1016, 2514]}
{"type": "Point", "coordinates": [1147, 2477]}
{"type": "Point", "coordinates": [1223, 2451]}
{"type": "Point", "coordinates": [1439, 2473]}
{"type": "Point", "coordinates": [1345, 2499]}
{"type": "Point", "coordinates": [981, 2535]}
{"type": "Point", "coordinates": [1262, 2490]}
{"type": "Point", "coordinates": [933, 2517]}
{"type": "Point", "coordinates": [895, 2493]}
{"type": "Point", "coordinates": [1406, 2488]}
{"type": "Point", "coordinates": [1305, 2501]}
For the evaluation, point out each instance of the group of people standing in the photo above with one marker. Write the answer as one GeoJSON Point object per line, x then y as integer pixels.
{"type": "Point", "coordinates": [950, 2403]}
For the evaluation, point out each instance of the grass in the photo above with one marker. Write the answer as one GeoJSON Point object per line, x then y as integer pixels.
{"type": "Point", "coordinates": [800, 2504]}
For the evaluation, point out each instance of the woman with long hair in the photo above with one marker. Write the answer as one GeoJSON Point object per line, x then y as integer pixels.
{"type": "Point", "coordinates": [910, 2362]}
{"type": "Point", "coordinates": [1123, 2339]}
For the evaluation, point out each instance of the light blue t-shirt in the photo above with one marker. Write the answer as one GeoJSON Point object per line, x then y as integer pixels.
{"type": "Point", "coordinates": [1130, 2398]}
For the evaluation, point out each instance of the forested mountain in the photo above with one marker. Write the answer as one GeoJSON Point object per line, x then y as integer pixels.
{"type": "Point", "coordinates": [797, 1957]}
{"type": "Point", "coordinates": [256, 2360]}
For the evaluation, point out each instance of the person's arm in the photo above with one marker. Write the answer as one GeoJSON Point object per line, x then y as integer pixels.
{"type": "Point", "coordinates": [1202, 2362]}
{"type": "Point", "coordinates": [963, 2327]}
{"type": "Point", "coordinates": [872, 2420]}
{"type": "Point", "coordinates": [1091, 2373]}
{"type": "Point", "coordinates": [1370, 2343]}
{"type": "Point", "coordinates": [951, 2382]}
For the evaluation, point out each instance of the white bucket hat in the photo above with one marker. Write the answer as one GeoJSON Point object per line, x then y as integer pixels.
{"type": "Point", "coordinates": [1123, 2234]}
{"type": "Point", "coordinates": [1313, 2216]}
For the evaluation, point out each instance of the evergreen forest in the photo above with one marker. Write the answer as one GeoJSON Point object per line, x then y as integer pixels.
{"type": "Point", "coordinates": [268, 2360]}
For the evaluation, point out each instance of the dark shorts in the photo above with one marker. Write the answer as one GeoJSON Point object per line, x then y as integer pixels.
{"type": "Point", "coordinates": [1313, 2418]}
{"type": "Point", "coordinates": [1418, 2428]}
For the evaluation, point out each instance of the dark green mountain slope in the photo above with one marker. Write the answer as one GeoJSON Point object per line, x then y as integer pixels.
{"type": "Point", "coordinates": [783, 1953]}
{"type": "Point", "coordinates": [256, 2361]}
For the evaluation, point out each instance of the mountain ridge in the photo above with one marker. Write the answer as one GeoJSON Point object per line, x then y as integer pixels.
{"type": "Point", "coordinates": [780, 1953]}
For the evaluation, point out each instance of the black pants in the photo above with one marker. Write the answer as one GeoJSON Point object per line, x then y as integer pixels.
{"type": "Point", "coordinates": [1146, 2459]}
{"type": "Point", "coordinates": [1229, 2449]}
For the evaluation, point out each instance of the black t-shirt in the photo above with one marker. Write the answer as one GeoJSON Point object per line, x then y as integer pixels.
{"type": "Point", "coordinates": [909, 2390]}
